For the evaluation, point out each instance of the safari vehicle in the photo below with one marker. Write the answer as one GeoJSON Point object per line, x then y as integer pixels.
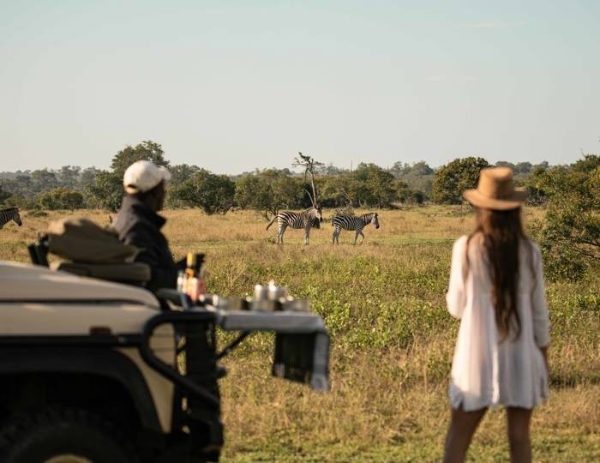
{"type": "Point", "coordinates": [100, 371]}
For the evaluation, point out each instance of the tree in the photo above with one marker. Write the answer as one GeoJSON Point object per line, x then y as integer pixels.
{"type": "Point", "coordinates": [61, 198]}
{"type": "Point", "coordinates": [451, 180]}
{"type": "Point", "coordinates": [377, 185]}
{"type": "Point", "coordinates": [536, 182]}
{"type": "Point", "coordinates": [20, 186]}
{"type": "Point", "coordinates": [88, 177]}
{"type": "Point", "coordinates": [269, 191]}
{"type": "Point", "coordinates": [310, 166]}
{"type": "Point", "coordinates": [357, 186]}
{"type": "Point", "coordinates": [404, 194]}
{"type": "Point", "coordinates": [333, 191]}
{"type": "Point", "coordinates": [420, 168]}
{"type": "Point", "coordinates": [403, 169]}
{"type": "Point", "coordinates": [330, 170]}
{"type": "Point", "coordinates": [42, 180]}
{"type": "Point", "coordinates": [510, 165]}
{"type": "Point", "coordinates": [570, 233]}
{"type": "Point", "coordinates": [588, 164]}
{"type": "Point", "coordinates": [418, 178]}
{"type": "Point", "coordinates": [147, 150]}
{"type": "Point", "coordinates": [381, 185]}
{"type": "Point", "coordinates": [400, 169]}
{"type": "Point", "coordinates": [4, 195]}
{"type": "Point", "coordinates": [248, 192]}
{"type": "Point", "coordinates": [523, 167]}
{"type": "Point", "coordinates": [107, 191]}
{"type": "Point", "coordinates": [68, 176]}
{"type": "Point", "coordinates": [210, 192]}
{"type": "Point", "coordinates": [416, 197]}
{"type": "Point", "coordinates": [182, 172]}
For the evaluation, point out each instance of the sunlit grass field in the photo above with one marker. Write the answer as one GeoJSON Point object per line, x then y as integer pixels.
{"type": "Point", "coordinates": [392, 340]}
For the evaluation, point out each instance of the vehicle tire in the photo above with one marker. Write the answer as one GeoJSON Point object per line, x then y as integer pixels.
{"type": "Point", "coordinates": [63, 435]}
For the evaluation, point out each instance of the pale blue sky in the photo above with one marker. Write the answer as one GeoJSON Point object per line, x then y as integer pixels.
{"type": "Point", "coordinates": [231, 86]}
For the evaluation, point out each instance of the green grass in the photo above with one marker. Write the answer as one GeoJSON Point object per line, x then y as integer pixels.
{"type": "Point", "coordinates": [392, 342]}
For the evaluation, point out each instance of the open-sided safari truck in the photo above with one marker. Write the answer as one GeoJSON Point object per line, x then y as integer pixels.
{"type": "Point", "coordinates": [100, 371]}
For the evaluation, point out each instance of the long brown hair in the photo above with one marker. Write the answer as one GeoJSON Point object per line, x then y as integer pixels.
{"type": "Point", "coordinates": [500, 234]}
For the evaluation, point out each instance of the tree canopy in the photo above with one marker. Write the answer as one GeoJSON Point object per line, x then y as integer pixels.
{"type": "Point", "coordinates": [210, 192]}
{"type": "Point", "coordinates": [147, 150]}
{"type": "Point", "coordinates": [570, 234]}
{"type": "Point", "coordinates": [459, 175]}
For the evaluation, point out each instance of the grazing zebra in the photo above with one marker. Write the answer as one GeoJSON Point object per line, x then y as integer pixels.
{"type": "Point", "coordinates": [352, 222]}
{"type": "Point", "coordinates": [12, 213]}
{"type": "Point", "coordinates": [311, 217]}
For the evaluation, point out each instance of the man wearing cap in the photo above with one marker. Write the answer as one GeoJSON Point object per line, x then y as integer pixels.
{"type": "Point", "coordinates": [137, 222]}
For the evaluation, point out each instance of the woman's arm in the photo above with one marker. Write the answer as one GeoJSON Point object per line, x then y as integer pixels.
{"type": "Point", "coordinates": [545, 355]}
{"type": "Point", "coordinates": [456, 297]}
{"type": "Point", "coordinates": [539, 304]}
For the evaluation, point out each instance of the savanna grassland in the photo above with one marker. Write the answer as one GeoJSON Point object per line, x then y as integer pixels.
{"type": "Point", "coordinates": [392, 340]}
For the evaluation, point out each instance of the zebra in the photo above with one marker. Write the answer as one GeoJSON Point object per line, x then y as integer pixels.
{"type": "Point", "coordinates": [307, 219]}
{"type": "Point", "coordinates": [12, 213]}
{"type": "Point", "coordinates": [352, 222]}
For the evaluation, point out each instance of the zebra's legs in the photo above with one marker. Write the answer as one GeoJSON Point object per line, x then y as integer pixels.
{"type": "Point", "coordinates": [362, 237]}
{"type": "Point", "coordinates": [306, 234]}
{"type": "Point", "coordinates": [336, 235]}
{"type": "Point", "coordinates": [280, 232]}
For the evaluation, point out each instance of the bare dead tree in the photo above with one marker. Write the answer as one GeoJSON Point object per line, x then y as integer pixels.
{"type": "Point", "coordinates": [309, 165]}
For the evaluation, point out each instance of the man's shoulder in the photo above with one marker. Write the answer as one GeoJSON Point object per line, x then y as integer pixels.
{"type": "Point", "coordinates": [128, 220]}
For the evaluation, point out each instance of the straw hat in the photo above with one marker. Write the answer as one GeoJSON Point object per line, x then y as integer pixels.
{"type": "Point", "coordinates": [496, 190]}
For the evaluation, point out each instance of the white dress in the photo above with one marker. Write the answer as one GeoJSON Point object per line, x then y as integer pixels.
{"type": "Point", "coordinates": [486, 371]}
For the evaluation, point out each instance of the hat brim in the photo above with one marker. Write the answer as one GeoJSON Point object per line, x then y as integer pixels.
{"type": "Point", "coordinates": [514, 201]}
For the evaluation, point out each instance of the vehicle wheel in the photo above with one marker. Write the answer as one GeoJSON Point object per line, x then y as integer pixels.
{"type": "Point", "coordinates": [62, 435]}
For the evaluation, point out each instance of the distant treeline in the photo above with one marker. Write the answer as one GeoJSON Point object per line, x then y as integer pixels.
{"type": "Point", "coordinates": [268, 190]}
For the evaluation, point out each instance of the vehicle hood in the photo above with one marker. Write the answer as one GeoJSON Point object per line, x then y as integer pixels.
{"type": "Point", "coordinates": [26, 282]}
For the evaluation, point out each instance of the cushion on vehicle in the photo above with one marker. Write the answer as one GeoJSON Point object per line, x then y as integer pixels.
{"type": "Point", "coordinates": [81, 240]}
{"type": "Point", "coordinates": [134, 272]}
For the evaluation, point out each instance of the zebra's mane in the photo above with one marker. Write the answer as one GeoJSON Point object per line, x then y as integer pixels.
{"type": "Point", "coordinates": [10, 209]}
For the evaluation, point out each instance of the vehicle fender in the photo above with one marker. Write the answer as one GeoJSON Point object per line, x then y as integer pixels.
{"type": "Point", "coordinates": [92, 361]}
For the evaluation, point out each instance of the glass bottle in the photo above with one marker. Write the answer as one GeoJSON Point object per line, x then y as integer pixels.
{"type": "Point", "coordinates": [194, 273]}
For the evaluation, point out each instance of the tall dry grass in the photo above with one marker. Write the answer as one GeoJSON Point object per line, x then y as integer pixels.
{"type": "Point", "coordinates": [392, 340]}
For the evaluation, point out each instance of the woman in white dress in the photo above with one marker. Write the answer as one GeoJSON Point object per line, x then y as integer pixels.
{"type": "Point", "coordinates": [497, 290]}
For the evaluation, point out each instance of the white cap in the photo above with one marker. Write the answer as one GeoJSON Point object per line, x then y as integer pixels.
{"type": "Point", "coordinates": [142, 176]}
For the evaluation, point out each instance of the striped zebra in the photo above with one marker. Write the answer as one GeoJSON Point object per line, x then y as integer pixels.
{"type": "Point", "coordinates": [307, 219]}
{"type": "Point", "coordinates": [12, 213]}
{"type": "Point", "coordinates": [353, 222]}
